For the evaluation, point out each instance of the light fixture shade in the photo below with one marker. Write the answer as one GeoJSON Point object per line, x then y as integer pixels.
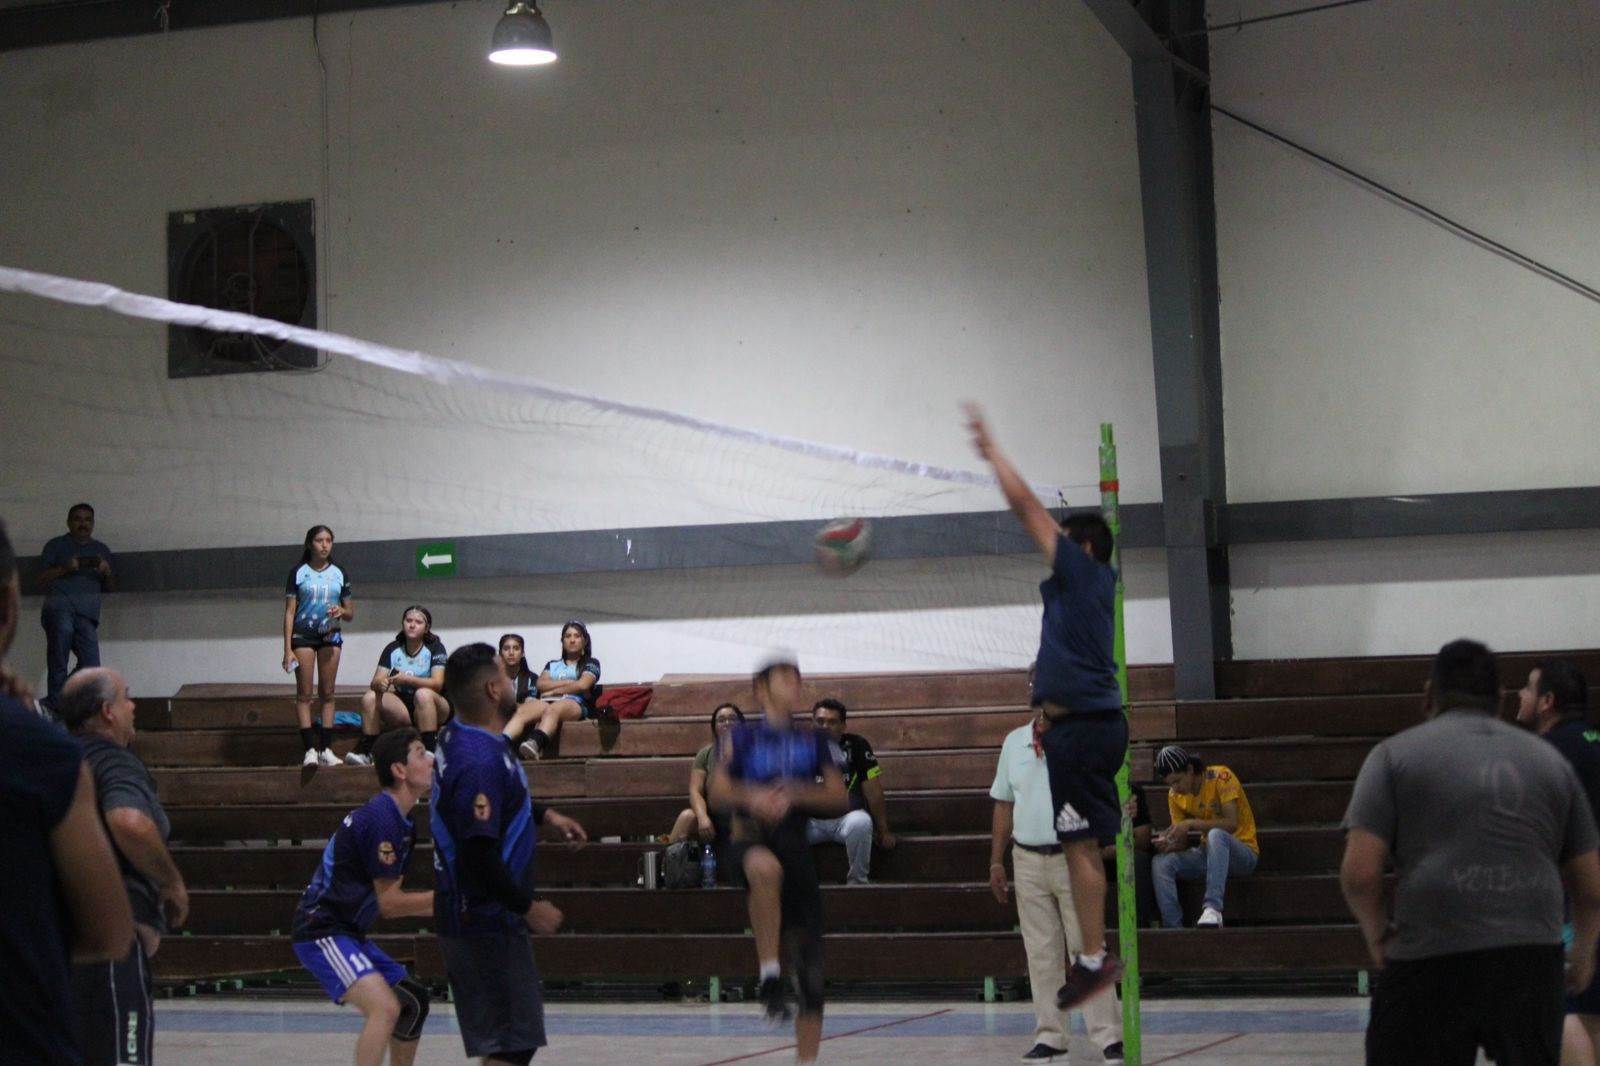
{"type": "Point", "coordinates": [522, 38]}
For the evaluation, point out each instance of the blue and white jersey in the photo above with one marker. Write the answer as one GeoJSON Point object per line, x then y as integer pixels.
{"type": "Point", "coordinates": [373, 844]}
{"type": "Point", "coordinates": [314, 591]}
{"type": "Point", "coordinates": [479, 789]}
{"type": "Point", "coordinates": [429, 657]}
{"type": "Point", "coordinates": [561, 670]}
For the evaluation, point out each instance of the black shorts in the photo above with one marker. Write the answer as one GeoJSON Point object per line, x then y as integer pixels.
{"type": "Point", "coordinates": [801, 900]}
{"type": "Point", "coordinates": [499, 1004]}
{"type": "Point", "coordinates": [316, 641]}
{"type": "Point", "coordinates": [113, 1002]}
{"type": "Point", "coordinates": [1440, 1011]}
{"type": "Point", "coordinates": [1083, 753]}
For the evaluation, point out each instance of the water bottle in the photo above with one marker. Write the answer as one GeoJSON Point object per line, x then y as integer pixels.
{"type": "Point", "coordinates": [708, 867]}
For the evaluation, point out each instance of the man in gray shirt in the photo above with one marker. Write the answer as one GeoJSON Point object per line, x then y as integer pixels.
{"type": "Point", "coordinates": [115, 1015]}
{"type": "Point", "coordinates": [1485, 823]}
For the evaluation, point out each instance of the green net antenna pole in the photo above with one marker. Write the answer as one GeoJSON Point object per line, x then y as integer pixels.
{"type": "Point", "coordinates": [1127, 905]}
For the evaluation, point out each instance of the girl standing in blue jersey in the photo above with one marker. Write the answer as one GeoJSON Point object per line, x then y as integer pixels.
{"type": "Point", "coordinates": [317, 603]}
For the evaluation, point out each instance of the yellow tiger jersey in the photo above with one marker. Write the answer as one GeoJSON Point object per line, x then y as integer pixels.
{"type": "Point", "coordinates": [1218, 785]}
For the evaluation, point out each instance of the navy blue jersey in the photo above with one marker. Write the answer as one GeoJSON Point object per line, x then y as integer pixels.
{"type": "Point", "coordinates": [479, 790]}
{"type": "Point", "coordinates": [431, 656]}
{"type": "Point", "coordinates": [42, 764]}
{"type": "Point", "coordinates": [759, 754]}
{"type": "Point", "coordinates": [1076, 667]}
{"type": "Point", "coordinates": [373, 844]}
{"type": "Point", "coordinates": [1579, 741]}
{"type": "Point", "coordinates": [313, 592]}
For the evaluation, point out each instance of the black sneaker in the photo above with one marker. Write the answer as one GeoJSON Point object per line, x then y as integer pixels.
{"type": "Point", "coordinates": [1112, 1052]}
{"type": "Point", "coordinates": [1083, 982]}
{"type": "Point", "coordinates": [1043, 1053]}
{"type": "Point", "coordinates": [775, 997]}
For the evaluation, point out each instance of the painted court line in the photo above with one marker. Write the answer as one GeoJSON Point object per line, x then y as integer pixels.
{"type": "Point", "coordinates": [1196, 1050]}
{"type": "Point", "coordinates": [835, 1036]}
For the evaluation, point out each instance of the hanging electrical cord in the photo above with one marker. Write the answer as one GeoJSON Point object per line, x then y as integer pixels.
{"type": "Point", "coordinates": [1240, 23]}
{"type": "Point", "coordinates": [1459, 229]}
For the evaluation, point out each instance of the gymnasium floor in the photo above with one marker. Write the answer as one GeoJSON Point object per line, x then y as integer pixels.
{"type": "Point", "coordinates": [1190, 1032]}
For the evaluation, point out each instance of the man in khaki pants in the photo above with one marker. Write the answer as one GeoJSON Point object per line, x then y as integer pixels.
{"type": "Point", "coordinates": [1023, 813]}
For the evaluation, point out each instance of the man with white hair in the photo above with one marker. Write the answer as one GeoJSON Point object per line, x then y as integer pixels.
{"type": "Point", "coordinates": [114, 1010]}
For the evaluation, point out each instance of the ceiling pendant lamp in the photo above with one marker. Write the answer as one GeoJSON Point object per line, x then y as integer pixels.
{"type": "Point", "coordinates": [522, 37]}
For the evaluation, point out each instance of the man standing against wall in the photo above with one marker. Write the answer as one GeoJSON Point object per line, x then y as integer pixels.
{"type": "Point", "coordinates": [868, 817]}
{"type": "Point", "coordinates": [1023, 816]}
{"type": "Point", "coordinates": [1485, 824]}
{"type": "Point", "coordinates": [58, 878]}
{"type": "Point", "coordinates": [1075, 683]}
{"type": "Point", "coordinates": [116, 1017]}
{"type": "Point", "coordinates": [77, 568]}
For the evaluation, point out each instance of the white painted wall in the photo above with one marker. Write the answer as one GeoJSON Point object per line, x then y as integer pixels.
{"type": "Point", "coordinates": [890, 615]}
{"type": "Point", "coordinates": [830, 220]}
{"type": "Point", "coordinates": [1365, 350]}
{"type": "Point", "coordinates": [1368, 352]}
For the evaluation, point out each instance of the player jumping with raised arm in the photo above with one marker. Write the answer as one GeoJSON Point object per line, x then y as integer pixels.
{"type": "Point", "coordinates": [1076, 685]}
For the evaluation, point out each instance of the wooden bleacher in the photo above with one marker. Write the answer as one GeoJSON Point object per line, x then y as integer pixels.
{"type": "Point", "coordinates": [248, 824]}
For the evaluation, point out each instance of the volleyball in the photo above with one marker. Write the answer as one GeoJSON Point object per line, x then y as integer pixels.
{"type": "Point", "coordinates": [841, 546]}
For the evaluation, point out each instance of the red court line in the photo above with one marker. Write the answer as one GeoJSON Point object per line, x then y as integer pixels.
{"type": "Point", "coordinates": [835, 1036]}
{"type": "Point", "coordinates": [1195, 1050]}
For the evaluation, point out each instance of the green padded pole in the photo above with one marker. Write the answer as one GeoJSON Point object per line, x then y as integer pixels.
{"type": "Point", "coordinates": [1127, 905]}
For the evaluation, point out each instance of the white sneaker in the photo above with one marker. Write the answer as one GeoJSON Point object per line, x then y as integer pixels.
{"type": "Point", "coordinates": [530, 750]}
{"type": "Point", "coordinates": [327, 758]}
{"type": "Point", "coordinates": [311, 757]}
{"type": "Point", "coordinates": [1210, 918]}
{"type": "Point", "coordinates": [355, 758]}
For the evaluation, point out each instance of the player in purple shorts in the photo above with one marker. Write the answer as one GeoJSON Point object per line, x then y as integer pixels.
{"type": "Point", "coordinates": [357, 882]}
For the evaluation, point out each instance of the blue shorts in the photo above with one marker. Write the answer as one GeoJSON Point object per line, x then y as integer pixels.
{"type": "Point", "coordinates": [316, 641]}
{"type": "Point", "coordinates": [1083, 752]}
{"type": "Point", "coordinates": [337, 962]}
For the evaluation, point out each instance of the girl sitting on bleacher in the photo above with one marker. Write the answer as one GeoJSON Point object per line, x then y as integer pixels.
{"type": "Point", "coordinates": [564, 692]}
{"type": "Point", "coordinates": [512, 648]}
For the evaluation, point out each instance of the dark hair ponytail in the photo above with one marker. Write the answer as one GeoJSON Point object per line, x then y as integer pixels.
{"type": "Point", "coordinates": [311, 534]}
{"type": "Point", "coordinates": [425, 613]}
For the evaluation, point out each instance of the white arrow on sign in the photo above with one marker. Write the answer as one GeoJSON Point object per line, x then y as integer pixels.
{"type": "Point", "coordinates": [430, 561]}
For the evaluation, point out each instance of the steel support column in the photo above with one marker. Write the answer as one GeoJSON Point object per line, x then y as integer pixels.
{"type": "Point", "coordinates": [1174, 139]}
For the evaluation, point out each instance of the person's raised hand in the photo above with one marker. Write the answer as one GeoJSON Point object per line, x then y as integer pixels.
{"type": "Point", "coordinates": [982, 442]}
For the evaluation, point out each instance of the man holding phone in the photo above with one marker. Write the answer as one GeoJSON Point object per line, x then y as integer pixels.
{"type": "Point", "coordinates": [76, 569]}
{"type": "Point", "coordinates": [1212, 835]}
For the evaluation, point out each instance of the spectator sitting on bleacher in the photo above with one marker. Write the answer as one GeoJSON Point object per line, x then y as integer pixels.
{"type": "Point", "coordinates": [407, 688]}
{"type": "Point", "coordinates": [1207, 801]}
{"type": "Point", "coordinates": [513, 653]}
{"type": "Point", "coordinates": [564, 692]}
{"type": "Point", "coordinates": [868, 817]}
{"type": "Point", "coordinates": [698, 820]}
{"type": "Point", "coordinates": [1138, 810]}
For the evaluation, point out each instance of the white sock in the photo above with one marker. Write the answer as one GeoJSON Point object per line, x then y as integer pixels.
{"type": "Point", "coordinates": [769, 970]}
{"type": "Point", "coordinates": [1093, 962]}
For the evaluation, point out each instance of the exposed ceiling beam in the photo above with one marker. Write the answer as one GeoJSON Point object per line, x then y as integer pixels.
{"type": "Point", "coordinates": [71, 21]}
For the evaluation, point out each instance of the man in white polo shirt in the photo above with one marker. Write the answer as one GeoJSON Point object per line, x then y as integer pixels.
{"type": "Point", "coordinates": [1024, 814]}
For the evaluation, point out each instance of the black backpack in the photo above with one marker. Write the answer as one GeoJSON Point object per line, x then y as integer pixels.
{"type": "Point", "coordinates": [680, 866]}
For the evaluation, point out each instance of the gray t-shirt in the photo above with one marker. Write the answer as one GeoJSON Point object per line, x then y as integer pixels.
{"type": "Point", "coordinates": [121, 780]}
{"type": "Point", "coordinates": [1479, 816]}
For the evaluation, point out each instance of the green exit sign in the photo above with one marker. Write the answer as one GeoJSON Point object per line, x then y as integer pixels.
{"type": "Point", "coordinates": [437, 559]}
